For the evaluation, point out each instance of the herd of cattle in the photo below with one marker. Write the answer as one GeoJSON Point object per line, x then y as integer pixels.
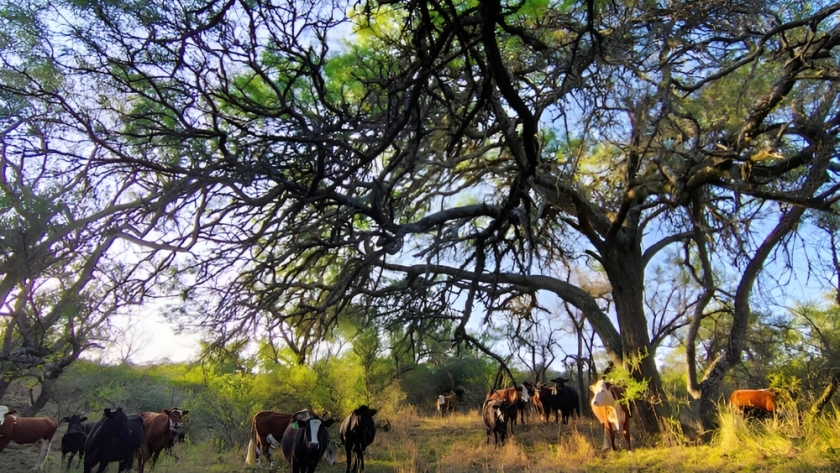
{"type": "Point", "coordinates": [503, 408]}
{"type": "Point", "coordinates": [303, 438]}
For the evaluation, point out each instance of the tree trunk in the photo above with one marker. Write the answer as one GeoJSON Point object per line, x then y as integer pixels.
{"type": "Point", "coordinates": [625, 269]}
{"type": "Point", "coordinates": [820, 403]}
{"type": "Point", "coordinates": [710, 386]}
{"type": "Point", "coordinates": [44, 396]}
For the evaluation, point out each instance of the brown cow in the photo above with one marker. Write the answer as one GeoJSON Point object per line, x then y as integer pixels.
{"type": "Point", "coordinates": [516, 399]}
{"type": "Point", "coordinates": [754, 402]}
{"type": "Point", "coordinates": [613, 415]}
{"type": "Point", "coordinates": [157, 433]}
{"type": "Point", "coordinates": [267, 429]}
{"type": "Point", "coordinates": [27, 430]}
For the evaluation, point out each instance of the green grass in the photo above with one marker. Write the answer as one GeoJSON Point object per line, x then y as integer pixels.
{"type": "Point", "coordinates": [419, 444]}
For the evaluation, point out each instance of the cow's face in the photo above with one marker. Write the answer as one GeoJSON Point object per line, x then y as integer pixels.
{"type": "Point", "coordinates": [331, 453]}
{"type": "Point", "coordinates": [441, 399]}
{"type": "Point", "coordinates": [499, 411]}
{"type": "Point", "coordinates": [523, 393]}
{"type": "Point", "coordinates": [603, 397]}
{"type": "Point", "coordinates": [3, 411]}
{"type": "Point", "coordinates": [175, 417]}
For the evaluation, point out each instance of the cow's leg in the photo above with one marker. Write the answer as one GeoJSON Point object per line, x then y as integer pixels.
{"type": "Point", "coordinates": [626, 433]}
{"type": "Point", "coordinates": [348, 455]}
{"type": "Point", "coordinates": [42, 456]}
{"type": "Point", "coordinates": [155, 458]}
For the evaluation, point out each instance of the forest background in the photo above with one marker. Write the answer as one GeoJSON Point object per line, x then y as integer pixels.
{"type": "Point", "coordinates": [517, 183]}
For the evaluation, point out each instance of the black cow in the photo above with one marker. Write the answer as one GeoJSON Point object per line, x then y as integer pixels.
{"type": "Point", "coordinates": [493, 413]}
{"type": "Point", "coordinates": [73, 441]}
{"type": "Point", "coordinates": [174, 437]}
{"type": "Point", "coordinates": [357, 432]}
{"type": "Point", "coordinates": [117, 437]}
{"type": "Point", "coordinates": [305, 440]}
{"type": "Point", "coordinates": [568, 400]}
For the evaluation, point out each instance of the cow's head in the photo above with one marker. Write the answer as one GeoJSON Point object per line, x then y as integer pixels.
{"type": "Point", "coordinates": [331, 452]}
{"type": "Point", "coordinates": [5, 411]}
{"type": "Point", "coordinates": [523, 393]}
{"type": "Point", "coordinates": [312, 427]}
{"type": "Point", "coordinates": [498, 408]}
{"type": "Point", "coordinates": [603, 396]}
{"type": "Point", "coordinates": [560, 382]}
{"type": "Point", "coordinates": [442, 399]}
{"type": "Point", "coordinates": [175, 417]}
{"type": "Point", "coordinates": [74, 422]}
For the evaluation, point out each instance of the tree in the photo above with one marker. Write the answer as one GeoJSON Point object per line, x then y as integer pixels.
{"type": "Point", "coordinates": [456, 154]}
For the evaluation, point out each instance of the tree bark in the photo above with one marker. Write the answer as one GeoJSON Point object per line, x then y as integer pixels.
{"type": "Point", "coordinates": [827, 394]}
{"type": "Point", "coordinates": [624, 266]}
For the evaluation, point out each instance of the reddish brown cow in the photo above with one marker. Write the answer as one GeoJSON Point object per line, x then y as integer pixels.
{"type": "Point", "coordinates": [754, 402]}
{"type": "Point", "coordinates": [157, 433]}
{"type": "Point", "coordinates": [613, 415]}
{"type": "Point", "coordinates": [27, 430]}
{"type": "Point", "coordinates": [267, 428]}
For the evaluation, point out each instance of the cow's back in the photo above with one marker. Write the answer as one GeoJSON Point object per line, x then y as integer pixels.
{"type": "Point", "coordinates": [758, 398]}
{"type": "Point", "coordinates": [272, 423]}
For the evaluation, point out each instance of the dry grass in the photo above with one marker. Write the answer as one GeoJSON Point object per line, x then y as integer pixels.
{"type": "Point", "coordinates": [418, 444]}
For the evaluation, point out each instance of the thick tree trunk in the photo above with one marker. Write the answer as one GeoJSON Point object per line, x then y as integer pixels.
{"type": "Point", "coordinates": [625, 268]}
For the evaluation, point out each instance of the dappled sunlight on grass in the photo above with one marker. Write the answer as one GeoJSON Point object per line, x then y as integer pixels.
{"type": "Point", "coordinates": [418, 444]}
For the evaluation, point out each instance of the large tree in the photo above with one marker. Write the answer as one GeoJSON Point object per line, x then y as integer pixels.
{"type": "Point", "coordinates": [454, 157]}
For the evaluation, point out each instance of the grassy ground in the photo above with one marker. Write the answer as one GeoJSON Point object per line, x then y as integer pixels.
{"type": "Point", "coordinates": [421, 444]}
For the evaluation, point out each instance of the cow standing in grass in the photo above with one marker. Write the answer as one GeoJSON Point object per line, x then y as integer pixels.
{"type": "Point", "coordinates": [493, 413]}
{"type": "Point", "coordinates": [756, 403]}
{"type": "Point", "coordinates": [73, 441]}
{"type": "Point", "coordinates": [27, 430]}
{"type": "Point", "coordinates": [613, 415]}
{"type": "Point", "coordinates": [357, 432]}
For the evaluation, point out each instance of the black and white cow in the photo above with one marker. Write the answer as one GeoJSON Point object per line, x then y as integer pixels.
{"type": "Point", "coordinates": [305, 441]}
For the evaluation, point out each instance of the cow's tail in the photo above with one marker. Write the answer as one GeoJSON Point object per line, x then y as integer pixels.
{"type": "Point", "coordinates": [252, 446]}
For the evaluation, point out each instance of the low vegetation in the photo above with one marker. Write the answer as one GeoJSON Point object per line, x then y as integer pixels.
{"type": "Point", "coordinates": [420, 443]}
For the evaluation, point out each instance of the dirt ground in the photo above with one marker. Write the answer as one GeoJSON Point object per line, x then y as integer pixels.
{"type": "Point", "coordinates": [19, 461]}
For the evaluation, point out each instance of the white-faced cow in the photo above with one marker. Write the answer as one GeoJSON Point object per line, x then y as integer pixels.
{"type": "Point", "coordinates": [73, 440]}
{"type": "Point", "coordinates": [27, 430]}
{"type": "Point", "coordinates": [158, 428]}
{"type": "Point", "coordinates": [613, 415]}
{"type": "Point", "coordinates": [305, 440]}
{"type": "Point", "coordinates": [493, 412]}
{"type": "Point", "coordinates": [267, 428]}
{"type": "Point", "coordinates": [116, 437]}
{"type": "Point", "coordinates": [357, 432]}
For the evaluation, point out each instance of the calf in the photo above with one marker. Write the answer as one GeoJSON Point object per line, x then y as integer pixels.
{"type": "Point", "coordinates": [493, 414]}
{"type": "Point", "coordinates": [73, 441]}
{"type": "Point", "coordinates": [613, 415]}
{"type": "Point", "coordinates": [357, 432]}
{"type": "Point", "coordinates": [27, 430]}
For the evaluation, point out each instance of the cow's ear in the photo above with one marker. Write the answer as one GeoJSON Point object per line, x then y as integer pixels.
{"type": "Point", "coordinates": [328, 422]}
{"type": "Point", "coordinates": [165, 411]}
{"type": "Point", "coordinates": [107, 411]}
{"type": "Point", "coordinates": [65, 419]}
{"type": "Point", "coordinates": [372, 412]}
{"type": "Point", "coordinates": [183, 413]}
{"type": "Point", "coordinates": [83, 419]}
{"type": "Point", "coordinates": [592, 388]}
